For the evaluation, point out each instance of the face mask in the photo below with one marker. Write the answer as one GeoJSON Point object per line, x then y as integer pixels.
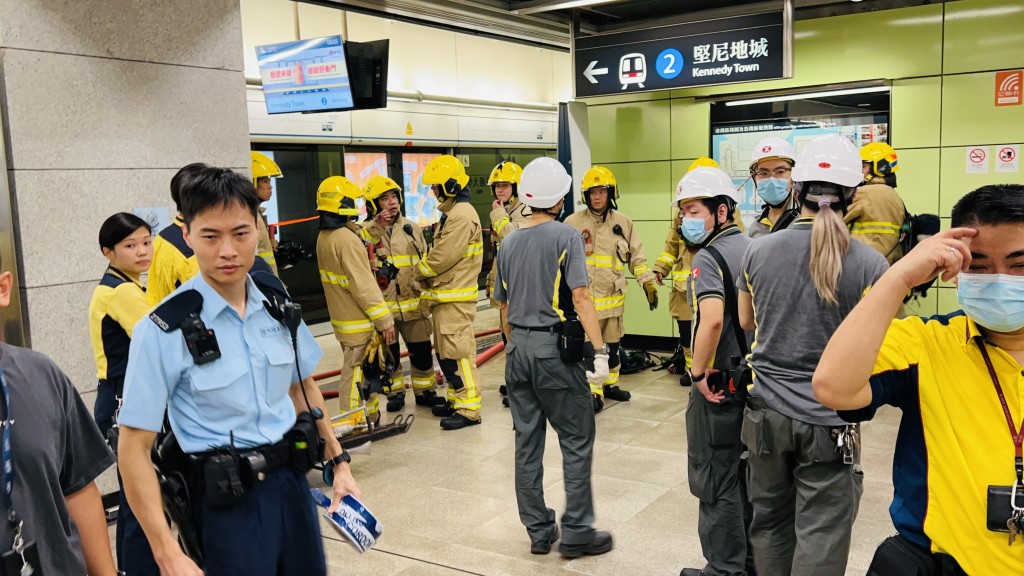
{"type": "Point", "coordinates": [693, 230]}
{"type": "Point", "coordinates": [773, 191]}
{"type": "Point", "coordinates": [995, 301]}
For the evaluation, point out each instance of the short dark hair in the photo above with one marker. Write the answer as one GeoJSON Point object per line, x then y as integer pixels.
{"type": "Point", "coordinates": [118, 227]}
{"type": "Point", "coordinates": [183, 178]}
{"type": "Point", "coordinates": [990, 205]}
{"type": "Point", "coordinates": [712, 205]}
{"type": "Point", "coordinates": [217, 187]}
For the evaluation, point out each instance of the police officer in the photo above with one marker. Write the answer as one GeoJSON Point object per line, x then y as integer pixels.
{"type": "Point", "coordinates": [354, 299]}
{"type": "Point", "coordinates": [877, 213]}
{"type": "Point", "coordinates": [174, 263]}
{"type": "Point", "coordinates": [674, 263]}
{"type": "Point", "coordinates": [263, 169]}
{"type": "Point", "coordinates": [450, 271]}
{"type": "Point", "coordinates": [542, 285]}
{"type": "Point", "coordinates": [508, 213]}
{"type": "Point", "coordinates": [222, 365]}
{"type": "Point", "coordinates": [611, 244]}
{"type": "Point", "coordinates": [797, 287]}
{"type": "Point", "coordinates": [707, 199]}
{"type": "Point", "coordinates": [771, 166]}
{"type": "Point", "coordinates": [396, 247]}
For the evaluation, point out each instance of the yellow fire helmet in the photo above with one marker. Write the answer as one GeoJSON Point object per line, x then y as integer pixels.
{"type": "Point", "coordinates": [337, 195]}
{"type": "Point", "coordinates": [377, 187]}
{"type": "Point", "coordinates": [447, 172]}
{"type": "Point", "coordinates": [882, 158]}
{"type": "Point", "coordinates": [702, 162]}
{"type": "Point", "coordinates": [264, 167]}
{"type": "Point", "coordinates": [600, 176]}
{"type": "Point", "coordinates": [506, 173]}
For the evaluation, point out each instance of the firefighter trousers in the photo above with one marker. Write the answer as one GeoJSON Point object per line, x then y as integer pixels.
{"type": "Point", "coordinates": [543, 389]}
{"type": "Point", "coordinates": [349, 397]}
{"type": "Point", "coordinates": [416, 334]}
{"type": "Point", "coordinates": [455, 346]}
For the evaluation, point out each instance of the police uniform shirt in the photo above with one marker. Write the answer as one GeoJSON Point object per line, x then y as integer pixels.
{"type": "Point", "coordinates": [707, 281]}
{"type": "Point", "coordinates": [57, 451]}
{"type": "Point", "coordinates": [245, 391]}
{"type": "Point", "coordinates": [953, 440]}
{"type": "Point", "coordinates": [793, 323]}
{"type": "Point", "coordinates": [117, 305]}
{"type": "Point", "coordinates": [538, 267]}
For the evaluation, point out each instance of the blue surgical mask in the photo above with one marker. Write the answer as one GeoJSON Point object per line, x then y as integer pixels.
{"type": "Point", "coordinates": [995, 301]}
{"type": "Point", "coordinates": [693, 230]}
{"type": "Point", "coordinates": [773, 191]}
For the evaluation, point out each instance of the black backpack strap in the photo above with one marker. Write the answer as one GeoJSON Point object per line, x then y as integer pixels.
{"type": "Point", "coordinates": [731, 299]}
{"type": "Point", "coordinates": [170, 315]}
{"type": "Point", "coordinates": [787, 218]}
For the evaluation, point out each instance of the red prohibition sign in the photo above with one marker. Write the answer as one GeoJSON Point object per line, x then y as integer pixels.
{"type": "Point", "coordinates": [977, 155]}
{"type": "Point", "coordinates": [1006, 154]}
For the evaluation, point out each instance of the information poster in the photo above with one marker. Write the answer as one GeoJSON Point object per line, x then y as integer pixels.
{"type": "Point", "coordinates": [360, 167]}
{"type": "Point", "coordinates": [733, 144]}
{"type": "Point", "coordinates": [420, 204]}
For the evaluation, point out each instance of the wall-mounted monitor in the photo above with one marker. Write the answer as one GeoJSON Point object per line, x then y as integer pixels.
{"type": "Point", "coordinates": [305, 76]}
{"type": "Point", "coordinates": [368, 68]}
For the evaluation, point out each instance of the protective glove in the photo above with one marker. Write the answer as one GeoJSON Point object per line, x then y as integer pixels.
{"type": "Point", "coordinates": [600, 373]}
{"type": "Point", "coordinates": [652, 294]}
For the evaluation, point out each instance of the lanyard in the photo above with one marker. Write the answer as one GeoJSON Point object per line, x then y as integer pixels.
{"type": "Point", "coordinates": [1018, 436]}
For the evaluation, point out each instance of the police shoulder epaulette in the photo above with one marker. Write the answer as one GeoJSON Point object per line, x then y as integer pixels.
{"type": "Point", "coordinates": [170, 315]}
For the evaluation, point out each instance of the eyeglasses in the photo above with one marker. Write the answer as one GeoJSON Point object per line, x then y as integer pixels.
{"type": "Point", "coordinates": [778, 173]}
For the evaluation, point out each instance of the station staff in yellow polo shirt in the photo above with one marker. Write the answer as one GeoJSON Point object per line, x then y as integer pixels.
{"type": "Point", "coordinates": [174, 263]}
{"type": "Point", "coordinates": [959, 382]}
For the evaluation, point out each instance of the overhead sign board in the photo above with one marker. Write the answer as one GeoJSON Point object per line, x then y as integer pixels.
{"type": "Point", "coordinates": [720, 51]}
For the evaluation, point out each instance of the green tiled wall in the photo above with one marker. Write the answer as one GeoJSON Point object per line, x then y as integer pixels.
{"type": "Point", "coordinates": [941, 61]}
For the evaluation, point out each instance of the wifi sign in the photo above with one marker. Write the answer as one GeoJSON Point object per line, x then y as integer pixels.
{"type": "Point", "coordinates": [1008, 88]}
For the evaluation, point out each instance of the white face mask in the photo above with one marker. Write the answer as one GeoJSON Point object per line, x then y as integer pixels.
{"type": "Point", "coordinates": [995, 301]}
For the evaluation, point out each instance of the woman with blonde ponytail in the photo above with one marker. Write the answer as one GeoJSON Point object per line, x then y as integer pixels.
{"type": "Point", "coordinates": [795, 288]}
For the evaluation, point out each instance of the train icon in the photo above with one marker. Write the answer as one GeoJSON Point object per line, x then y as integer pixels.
{"type": "Point", "coordinates": [633, 70]}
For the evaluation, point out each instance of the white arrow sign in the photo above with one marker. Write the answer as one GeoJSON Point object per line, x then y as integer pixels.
{"type": "Point", "coordinates": [591, 72]}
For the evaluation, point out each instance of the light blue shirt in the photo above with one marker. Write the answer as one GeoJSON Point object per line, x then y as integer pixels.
{"type": "Point", "coordinates": [245, 391]}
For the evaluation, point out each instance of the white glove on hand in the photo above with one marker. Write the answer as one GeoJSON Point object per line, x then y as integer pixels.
{"type": "Point", "coordinates": [600, 373]}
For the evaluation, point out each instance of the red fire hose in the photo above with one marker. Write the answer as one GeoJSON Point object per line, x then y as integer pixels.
{"type": "Point", "coordinates": [480, 359]}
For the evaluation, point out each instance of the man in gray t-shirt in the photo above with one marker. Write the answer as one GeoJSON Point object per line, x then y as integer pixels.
{"type": "Point", "coordinates": [541, 282]}
{"type": "Point", "coordinates": [57, 454]}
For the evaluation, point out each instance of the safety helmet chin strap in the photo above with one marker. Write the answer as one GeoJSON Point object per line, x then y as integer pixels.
{"type": "Point", "coordinates": [716, 227]}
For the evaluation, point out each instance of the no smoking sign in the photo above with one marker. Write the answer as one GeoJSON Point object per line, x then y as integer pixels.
{"type": "Point", "coordinates": [977, 160]}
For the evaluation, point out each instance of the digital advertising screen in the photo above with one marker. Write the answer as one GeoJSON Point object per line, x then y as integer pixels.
{"type": "Point", "coordinates": [305, 75]}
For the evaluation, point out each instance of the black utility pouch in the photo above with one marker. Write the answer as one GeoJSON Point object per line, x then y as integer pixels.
{"type": "Point", "coordinates": [222, 480]}
{"type": "Point", "coordinates": [305, 446]}
{"type": "Point", "coordinates": [570, 341]}
{"type": "Point", "coordinates": [1000, 509]}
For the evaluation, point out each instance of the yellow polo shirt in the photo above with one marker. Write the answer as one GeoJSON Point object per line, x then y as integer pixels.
{"type": "Point", "coordinates": [953, 439]}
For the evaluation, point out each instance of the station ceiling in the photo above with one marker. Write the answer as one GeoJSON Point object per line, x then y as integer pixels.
{"type": "Point", "coordinates": [549, 23]}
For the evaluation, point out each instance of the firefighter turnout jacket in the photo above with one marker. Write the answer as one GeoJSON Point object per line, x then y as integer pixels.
{"type": "Point", "coordinates": [451, 267]}
{"type": "Point", "coordinates": [608, 255]}
{"type": "Point", "coordinates": [354, 300]}
{"type": "Point", "coordinates": [401, 245]}
{"type": "Point", "coordinates": [674, 266]}
{"type": "Point", "coordinates": [876, 218]}
{"type": "Point", "coordinates": [265, 247]}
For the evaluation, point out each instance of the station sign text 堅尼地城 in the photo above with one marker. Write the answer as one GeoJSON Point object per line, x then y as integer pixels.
{"type": "Point", "coordinates": [721, 51]}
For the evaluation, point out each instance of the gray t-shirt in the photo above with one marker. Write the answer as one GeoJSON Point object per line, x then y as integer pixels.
{"type": "Point", "coordinates": [538, 267]}
{"type": "Point", "coordinates": [707, 280]}
{"type": "Point", "coordinates": [793, 323]}
{"type": "Point", "coordinates": [57, 451]}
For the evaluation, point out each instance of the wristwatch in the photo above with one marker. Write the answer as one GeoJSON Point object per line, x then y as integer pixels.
{"type": "Point", "coordinates": [602, 350]}
{"type": "Point", "coordinates": [695, 379]}
{"type": "Point", "coordinates": [328, 474]}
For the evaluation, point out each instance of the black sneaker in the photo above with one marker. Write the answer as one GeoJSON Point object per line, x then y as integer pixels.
{"type": "Point", "coordinates": [691, 572]}
{"type": "Point", "coordinates": [598, 403]}
{"type": "Point", "coordinates": [443, 410]}
{"type": "Point", "coordinates": [599, 544]}
{"type": "Point", "coordinates": [503, 390]}
{"type": "Point", "coordinates": [544, 546]}
{"type": "Point", "coordinates": [504, 401]}
{"type": "Point", "coordinates": [429, 399]}
{"type": "Point", "coordinates": [616, 393]}
{"type": "Point", "coordinates": [457, 421]}
{"type": "Point", "coordinates": [685, 380]}
{"type": "Point", "coordinates": [396, 403]}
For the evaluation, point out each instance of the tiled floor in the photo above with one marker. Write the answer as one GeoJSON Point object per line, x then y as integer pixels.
{"type": "Point", "coordinates": [448, 504]}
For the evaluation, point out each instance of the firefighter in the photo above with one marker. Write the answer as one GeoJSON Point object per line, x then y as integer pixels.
{"type": "Point", "coordinates": [449, 271]}
{"type": "Point", "coordinates": [263, 169]}
{"type": "Point", "coordinates": [674, 263]}
{"type": "Point", "coordinates": [877, 213]}
{"type": "Point", "coordinates": [508, 213]}
{"type": "Point", "coordinates": [771, 167]}
{"type": "Point", "coordinates": [354, 300]}
{"type": "Point", "coordinates": [612, 244]}
{"type": "Point", "coordinates": [396, 246]}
